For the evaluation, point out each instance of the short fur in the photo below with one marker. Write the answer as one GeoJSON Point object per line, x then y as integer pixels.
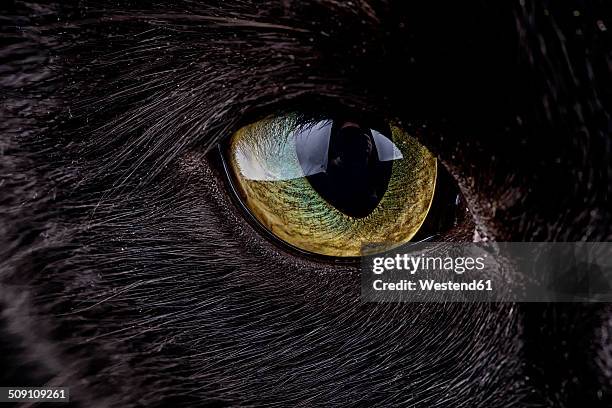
{"type": "Point", "coordinates": [129, 275]}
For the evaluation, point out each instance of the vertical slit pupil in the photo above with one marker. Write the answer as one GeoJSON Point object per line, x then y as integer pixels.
{"type": "Point", "coordinates": [341, 161]}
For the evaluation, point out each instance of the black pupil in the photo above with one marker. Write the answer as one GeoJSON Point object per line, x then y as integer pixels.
{"type": "Point", "coordinates": [341, 161]}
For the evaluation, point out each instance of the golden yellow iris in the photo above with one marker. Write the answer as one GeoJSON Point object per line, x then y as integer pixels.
{"type": "Point", "coordinates": [272, 184]}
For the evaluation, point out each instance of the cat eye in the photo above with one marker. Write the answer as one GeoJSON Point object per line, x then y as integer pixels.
{"type": "Point", "coordinates": [328, 187]}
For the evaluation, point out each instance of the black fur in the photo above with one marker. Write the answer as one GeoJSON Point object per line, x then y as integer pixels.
{"type": "Point", "coordinates": [128, 274]}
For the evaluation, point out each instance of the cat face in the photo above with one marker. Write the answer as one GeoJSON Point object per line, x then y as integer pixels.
{"type": "Point", "coordinates": [131, 275]}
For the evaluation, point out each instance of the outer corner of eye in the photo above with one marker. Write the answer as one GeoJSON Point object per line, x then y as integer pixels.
{"type": "Point", "coordinates": [330, 187]}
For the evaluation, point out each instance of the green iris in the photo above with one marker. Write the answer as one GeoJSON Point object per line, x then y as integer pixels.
{"type": "Point", "coordinates": [277, 185]}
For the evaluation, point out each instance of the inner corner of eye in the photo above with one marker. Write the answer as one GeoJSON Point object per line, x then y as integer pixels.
{"type": "Point", "coordinates": [331, 186]}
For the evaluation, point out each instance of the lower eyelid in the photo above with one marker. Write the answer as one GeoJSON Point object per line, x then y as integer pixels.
{"type": "Point", "coordinates": [206, 173]}
{"type": "Point", "coordinates": [245, 197]}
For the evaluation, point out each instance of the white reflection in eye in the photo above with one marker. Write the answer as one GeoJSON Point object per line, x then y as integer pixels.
{"type": "Point", "coordinates": [300, 153]}
{"type": "Point", "coordinates": [387, 150]}
{"type": "Point", "coordinates": [312, 145]}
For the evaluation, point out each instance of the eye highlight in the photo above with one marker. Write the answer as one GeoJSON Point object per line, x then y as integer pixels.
{"type": "Point", "coordinates": [328, 187]}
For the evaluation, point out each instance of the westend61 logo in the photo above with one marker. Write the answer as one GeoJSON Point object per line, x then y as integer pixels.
{"type": "Point", "coordinates": [410, 265]}
{"type": "Point", "coordinates": [488, 272]}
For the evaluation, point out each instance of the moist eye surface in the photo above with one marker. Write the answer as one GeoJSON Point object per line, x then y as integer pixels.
{"type": "Point", "coordinates": [345, 164]}
{"type": "Point", "coordinates": [328, 187]}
